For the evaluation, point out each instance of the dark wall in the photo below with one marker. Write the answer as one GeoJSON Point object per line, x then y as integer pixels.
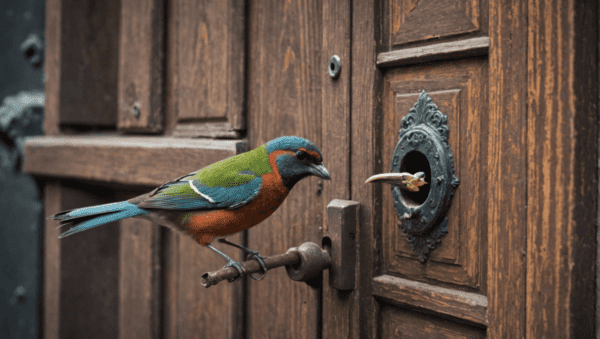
{"type": "Point", "coordinates": [21, 114]}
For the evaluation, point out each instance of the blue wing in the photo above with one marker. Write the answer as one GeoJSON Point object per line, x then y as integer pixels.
{"type": "Point", "coordinates": [188, 193]}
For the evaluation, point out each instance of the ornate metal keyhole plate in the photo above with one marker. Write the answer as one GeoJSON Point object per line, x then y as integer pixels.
{"type": "Point", "coordinates": [423, 147]}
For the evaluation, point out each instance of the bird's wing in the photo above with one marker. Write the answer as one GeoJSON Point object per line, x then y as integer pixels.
{"type": "Point", "coordinates": [230, 183]}
{"type": "Point", "coordinates": [190, 193]}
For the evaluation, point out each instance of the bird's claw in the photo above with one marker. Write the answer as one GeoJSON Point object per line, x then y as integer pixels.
{"type": "Point", "coordinates": [256, 256]}
{"type": "Point", "coordinates": [238, 267]}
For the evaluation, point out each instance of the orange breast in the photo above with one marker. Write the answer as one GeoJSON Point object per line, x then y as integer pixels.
{"type": "Point", "coordinates": [204, 225]}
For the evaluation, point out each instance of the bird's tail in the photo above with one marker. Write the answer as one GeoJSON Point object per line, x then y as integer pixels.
{"type": "Point", "coordinates": [82, 219]}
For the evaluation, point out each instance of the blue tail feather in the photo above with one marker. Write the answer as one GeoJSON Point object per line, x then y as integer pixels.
{"type": "Point", "coordinates": [90, 211]}
{"type": "Point", "coordinates": [83, 218]}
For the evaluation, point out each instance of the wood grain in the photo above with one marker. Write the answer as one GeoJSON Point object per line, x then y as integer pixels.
{"type": "Point", "coordinates": [336, 99]}
{"type": "Point", "coordinates": [89, 49]}
{"type": "Point", "coordinates": [507, 169]}
{"type": "Point", "coordinates": [141, 68]}
{"type": "Point", "coordinates": [440, 51]}
{"type": "Point", "coordinates": [146, 161]}
{"type": "Point", "coordinates": [52, 66]}
{"type": "Point", "coordinates": [366, 82]}
{"type": "Point", "coordinates": [467, 306]}
{"type": "Point", "coordinates": [428, 19]}
{"type": "Point", "coordinates": [140, 297]}
{"type": "Point", "coordinates": [401, 323]}
{"type": "Point", "coordinates": [52, 263]}
{"type": "Point", "coordinates": [206, 129]}
{"type": "Point", "coordinates": [562, 135]}
{"type": "Point", "coordinates": [192, 311]}
{"type": "Point", "coordinates": [207, 68]}
{"type": "Point", "coordinates": [340, 309]}
{"type": "Point", "coordinates": [285, 96]}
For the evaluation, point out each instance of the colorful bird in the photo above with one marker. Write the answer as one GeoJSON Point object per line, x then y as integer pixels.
{"type": "Point", "coordinates": [406, 181]}
{"type": "Point", "coordinates": [219, 200]}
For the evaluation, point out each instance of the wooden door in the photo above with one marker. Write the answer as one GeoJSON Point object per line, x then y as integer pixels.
{"type": "Point", "coordinates": [495, 69]}
{"type": "Point", "coordinates": [188, 83]}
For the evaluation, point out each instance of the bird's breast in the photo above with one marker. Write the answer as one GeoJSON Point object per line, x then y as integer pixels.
{"type": "Point", "coordinates": [204, 225]}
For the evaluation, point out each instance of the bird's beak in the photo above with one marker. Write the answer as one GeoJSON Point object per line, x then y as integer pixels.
{"type": "Point", "coordinates": [400, 180]}
{"type": "Point", "coordinates": [320, 171]}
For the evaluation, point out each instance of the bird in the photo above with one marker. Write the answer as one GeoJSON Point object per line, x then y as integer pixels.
{"type": "Point", "coordinates": [405, 181]}
{"type": "Point", "coordinates": [218, 200]}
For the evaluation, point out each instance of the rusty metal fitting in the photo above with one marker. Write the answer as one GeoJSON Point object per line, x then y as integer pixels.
{"type": "Point", "coordinates": [313, 260]}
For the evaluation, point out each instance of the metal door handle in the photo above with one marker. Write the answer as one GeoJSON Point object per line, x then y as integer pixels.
{"type": "Point", "coordinates": [302, 263]}
{"type": "Point", "coordinates": [308, 260]}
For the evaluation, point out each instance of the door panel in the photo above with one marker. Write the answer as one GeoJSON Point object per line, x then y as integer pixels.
{"type": "Point", "coordinates": [458, 88]}
{"type": "Point", "coordinates": [414, 20]}
{"type": "Point", "coordinates": [205, 75]}
{"type": "Point", "coordinates": [284, 94]}
{"type": "Point", "coordinates": [447, 295]}
{"type": "Point", "coordinates": [401, 323]}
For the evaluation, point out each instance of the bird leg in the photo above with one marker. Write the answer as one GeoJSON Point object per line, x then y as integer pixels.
{"type": "Point", "coordinates": [230, 262]}
{"type": "Point", "coordinates": [251, 255]}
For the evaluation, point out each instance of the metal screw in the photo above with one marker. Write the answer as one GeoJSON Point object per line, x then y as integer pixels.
{"type": "Point", "coordinates": [136, 109]}
{"type": "Point", "coordinates": [334, 67]}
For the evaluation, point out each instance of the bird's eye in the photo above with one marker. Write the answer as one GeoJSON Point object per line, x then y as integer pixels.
{"type": "Point", "coordinates": [301, 155]}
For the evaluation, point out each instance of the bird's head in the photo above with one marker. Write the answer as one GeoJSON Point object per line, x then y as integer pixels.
{"type": "Point", "coordinates": [296, 158]}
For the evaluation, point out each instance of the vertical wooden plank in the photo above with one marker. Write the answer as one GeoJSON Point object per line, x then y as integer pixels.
{"type": "Point", "coordinates": [89, 272]}
{"type": "Point", "coordinates": [52, 66]}
{"type": "Point", "coordinates": [507, 154]}
{"type": "Point", "coordinates": [89, 62]}
{"type": "Point", "coordinates": [141, 55]}
{"type": "Point", "coordinates": [365, 93]}
{"type": "Point", "coordinates": [139, 280]}
{"type": "Point", "coordinates": [284, 93]}
{"type": "Point", "coordinates": [191, 310]}
{"type": "Point", "coordinates": [339, 309]}
{"type": "Point", "coordinates": [336, 98]}
{"type": "Point", "coordinates": [171, 262]}
{"type": "Point", "coordinates": [563, 153]}
{"type": "Point", "coordinates": [52, 205]}
{"type": "Point", "coordinates": [206, 68]}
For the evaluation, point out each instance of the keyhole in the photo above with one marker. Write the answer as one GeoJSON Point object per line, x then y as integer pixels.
{"type": "Point", "coordinates": [412, 163]}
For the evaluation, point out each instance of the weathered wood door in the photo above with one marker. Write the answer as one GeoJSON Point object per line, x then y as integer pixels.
{"type": "Point", "coordinates": [515, 262]}
{"type": "Point", "coordinates": [140, 92]}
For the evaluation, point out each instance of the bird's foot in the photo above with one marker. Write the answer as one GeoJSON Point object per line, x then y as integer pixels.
{"type": "Point", "coordinates": [250, 255]}
{"type": "Point", "coordinates": [238, 267]}
{"type": "Point", "coordinates": [256, 256]}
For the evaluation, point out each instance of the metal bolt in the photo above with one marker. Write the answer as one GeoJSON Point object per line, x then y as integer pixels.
{"type": "Point", "coordinates": [334, 67]}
